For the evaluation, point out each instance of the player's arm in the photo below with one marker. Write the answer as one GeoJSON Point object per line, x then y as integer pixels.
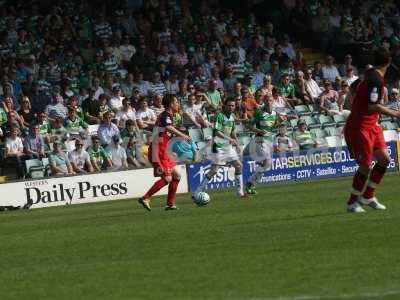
{"type": "Point", "coordinates": [375, 97]}
{"type": "Point", "coordinates": [175, 131]}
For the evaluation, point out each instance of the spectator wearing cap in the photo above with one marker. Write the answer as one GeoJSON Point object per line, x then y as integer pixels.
{"type": "Point", "coordinates": [303, 137]}
{"type": "Point", "coordinates": [58, 160]}
{"type": "Point", "coordinates": [348, 64]}
{"type": "Point", "coordinates": [117, 154]}
{"type": "Point", "coordinates": [329, 70]}
{"type": "Point", "coordinates": [80, 159]}
{"type": "Point", "coordinates": [115, 101]}
{"type": "Point", "coordinates": [107, 129]}
{"type": "Point", "coordinates": [99, 158]}
{"type": "Point", "coordinates": [350, 76]}
{"type": "Point", "coordinates": [145, 116]}
{"type": "Point", "coordinates": [282, 142]}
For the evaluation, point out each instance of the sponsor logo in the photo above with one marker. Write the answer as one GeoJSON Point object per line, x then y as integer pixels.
{"type": "Point", "coordinates": [42, 193]}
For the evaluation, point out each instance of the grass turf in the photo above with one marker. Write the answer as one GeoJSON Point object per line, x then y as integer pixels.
{"type": "Point", "coordinates": [289, 241]}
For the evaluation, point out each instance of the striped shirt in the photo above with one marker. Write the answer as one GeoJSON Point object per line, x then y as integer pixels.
{"type": "Point", "coordinates": [102, 30]}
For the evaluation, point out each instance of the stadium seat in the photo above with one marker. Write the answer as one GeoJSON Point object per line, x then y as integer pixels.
{"type": "Point", "coordinates": [391, 135]}
{"type": "Point", "coordinates": [333, 131]}
{"type": "Point", "coordinates": [311, 122]}
{"type": "Point", "coordinates": [46, 166]}
{"type": "Point", "coordinates": [326, 121]}
{"type": "Point", "coordinates": [333, 141]}
{"type": "Point", "coordinates": [384, 118]}
{"type": "Point", "coordinates": [207, 133]}
{"type": "Point", "coordinates": [34, 168]}
{"type": "Point", "coordinates": [318, 132]}
{"type": "Point", "coordinates": [389, 125]}
{"type": "Point", "coordinates": [302, 110]}
{"type": "Point", "coordinates": [196, 135]}
{"type": "Point", "coordinates": [339, 119]}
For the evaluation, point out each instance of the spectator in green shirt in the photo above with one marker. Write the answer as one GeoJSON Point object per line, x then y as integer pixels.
{"type": "Point", "coordinates": [213, 95]}
{"type": "Point", "coordinates": [287, 90]}
{"type": "Point", "coordinates": [98, 156]}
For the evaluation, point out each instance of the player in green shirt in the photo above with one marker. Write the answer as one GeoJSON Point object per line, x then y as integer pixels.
{"type": "Point", "coordinates": [225, 148]}
{"type": "Point", "coordinates": [265, 124]}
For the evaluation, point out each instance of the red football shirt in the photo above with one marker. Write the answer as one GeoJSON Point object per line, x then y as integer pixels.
{"type": "Point", "coordinates": [369, 91]}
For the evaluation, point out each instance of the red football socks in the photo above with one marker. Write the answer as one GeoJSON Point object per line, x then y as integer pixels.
{"type": "Point", "coordinates": [359, 181]}
{"type": "Point", "coordinates": [158, 185]}
{"type": "Point", "coordinates": [375, 178]}
{"type": "Point", "coordinates": [172, 188]}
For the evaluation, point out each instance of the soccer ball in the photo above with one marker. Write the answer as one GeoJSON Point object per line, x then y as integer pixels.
{"type": "Point", "coordinates": [201, 199]}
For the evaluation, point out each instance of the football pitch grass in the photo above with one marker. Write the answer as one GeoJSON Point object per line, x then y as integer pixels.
{"type": "Point", "coordinates": [290, 242]}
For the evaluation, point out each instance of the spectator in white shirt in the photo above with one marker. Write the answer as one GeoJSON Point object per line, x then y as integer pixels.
{"type": "Point", "coordinates": [312, 88]}
{"type": "Point", "coordinates": [15, 151]}
{"type": "Point", "coordinates": [117, 154]}
{"type": "Point", "coordinates": [127, 51]}
{"type": "Point", "coordinates": [97, 88]}
{"type": "Point", "coordinates": [192, 116]}
{"type": "Point", "coordinates": [157, 106]}
{"type": "Point", "coordinates": [350, 76]}
{"type": "Point", "coordinates": [107, 129]}
{"type": "Point", "coordinates": [126, 113]}
{"type": "Point", "coordinates": [145, 115]}
{"type": "Point", "coordinates": [79, 159]}
{"type": "Point", "coordinates": [329, 71]}
{"type": "Point", "coordinates": [115, 101]}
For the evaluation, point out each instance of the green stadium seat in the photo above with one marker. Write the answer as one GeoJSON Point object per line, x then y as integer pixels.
{"type": "Point", "coordinates": [34, 168]}
{"type": "Point", "coordinates": [333, 131]}
{"type": "Point", "coordinates": [333, 141]}
{"type": "Point", "coordinates": [326, 121]}
{"type": "Point", "coordinates": [207, 133]}
{"type": "Point", "coordinates": [318, 132]}
{"type": "Point", "coordinates": [302, 110]}
{"type": "Point", "coordinates": [339, 119]}
{"type": "Point", "coordinates": [311, 122]}
{"type": "Point", "coordinates": [389, 125]}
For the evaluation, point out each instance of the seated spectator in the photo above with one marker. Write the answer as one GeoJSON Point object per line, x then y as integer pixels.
{"type": "Point", "coordinates": [267, 86]}
{"type": "Point", "coordinates": [282, 142]}
{"type": "Point", "coordinates": [56, 108]}
{"type": "Point", "coordinates": [394, 100]}
{"type": "Point", "coordinates": [156, 85]}
{"type": "Point", "coordinates": [279, 104]}
{"type": "Point", "coordinates": [13, 120]}
{"type": "Point", "coordinates": [26, 112]}
{"type": "Point", "coordinates": [185, 151]}
{"type": "Point", "coordinates": [303, 137]}
{"type": "Point", "coordinates": [91, 108]}
{"type": "Point", "coordinates": [329, 70]}
{"type": "Point", "coordinates": [329, 101]}
{"type": "Point", "coordinates": [259, 97]}
{"type": "Point", "coordinates": [145, 115]}
{"type": "Point", "coordinates": [311, 87]}
{"type": "Point", "coordinates": [248, 81]}
{"type": "Point", "coordinates": [15, 151]}
{"type": "Point", "coordinates": [115, 101]}
{"type": "Point", "coordinates": [317, 75]}
{"type": "Point", "coordinates": [73, 124]}
{"type": "Point", "coordinates": [34, 143]}
{"type": "Point", "coordinates": [126, 113]}
{"type": "Point", "coordinates": [44, 125]}
{"type": "Point", "coordinates": [287, 90]}
{"type": "Point", "coordinates": [99, 158]}
{"type": "Point", "coordinates": [3, 116]}
{"type": "Point", "coordinates": [57, 130]}
{"type": "Point", "coordinates": [240, 112]}
{"type": "Point", "coordinates": [107, 130]}
{"type": "Point", "coordinates": [192, 116]}
{"type": "Point", "coordinates": [117, 154]}
{"type": "Point", "coordinates": [300, 88]}
{"type": "Point", "coordinates": [98, 90]}
{"type": "Point", "coordinates": [103, 106]}
{"type": "Point", "coordinates": [141, 85]}
{"type": "Point", "coordinates": [214, 95]}
{"type": "Point", "coordinates": [59, 162]}
{"type": "Point", "coordinates": [172, 84]}
{"type": "Point", "coordinates": [249, 101]}
{"type": "Point", "coordinates": [350, 77]}
{"type": "Point", "coordinates": [133, 154]}
{"type": "Point", "coordinates": [157, 106]}
{"type": "Point", "coordinates": [128, 85]}
{"type": "Point", "coordinates": [79, 159]}
{"type": "Point", "coordinates": [131, 130]}
{"type": "Point", "coordinates": [348, 64]}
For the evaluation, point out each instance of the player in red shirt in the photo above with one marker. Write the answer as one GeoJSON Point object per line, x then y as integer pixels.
{"type": "Point", "coordinates": [365, 138]}
{"type": "Point", "coordinates": [164, 165]}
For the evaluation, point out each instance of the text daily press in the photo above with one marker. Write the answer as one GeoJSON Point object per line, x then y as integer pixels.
{"type": "Point", "coordinates": [80, 190]}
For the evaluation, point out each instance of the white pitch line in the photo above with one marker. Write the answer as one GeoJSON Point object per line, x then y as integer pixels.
{"type": "Point", "coordinates": [372, 295]}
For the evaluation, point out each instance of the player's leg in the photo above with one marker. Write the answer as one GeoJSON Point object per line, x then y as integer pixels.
{"type": "Point", "coordinates": [375, 177]}
{"type": "Point", "coordinates": [255, 178]}
{"type": "Point", "coordinates": [172, 188]}
{"type": "Point", "coordinates": [361, 149]}
{"type": "Point", "coordinates": [238, 178]}
{"type": "Point", "coordinates": [158, 185]}
{"type": "Point", "coordinates": [207, 178]}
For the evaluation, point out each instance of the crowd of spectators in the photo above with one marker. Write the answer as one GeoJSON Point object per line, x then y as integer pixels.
{"type": "Point", "coordinates": [82, 83]}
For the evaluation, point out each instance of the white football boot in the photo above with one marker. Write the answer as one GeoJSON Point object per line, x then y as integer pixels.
{"type": "Point", "coordinates": [355, 208]}
{"type": "Point", "coordinates": [372, 202]}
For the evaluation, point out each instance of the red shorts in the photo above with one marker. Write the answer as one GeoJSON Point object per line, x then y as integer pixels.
{"type": "Point", "coordinates": [162, 164]}
{"type": "Point", "coordinates": [363, 143]}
